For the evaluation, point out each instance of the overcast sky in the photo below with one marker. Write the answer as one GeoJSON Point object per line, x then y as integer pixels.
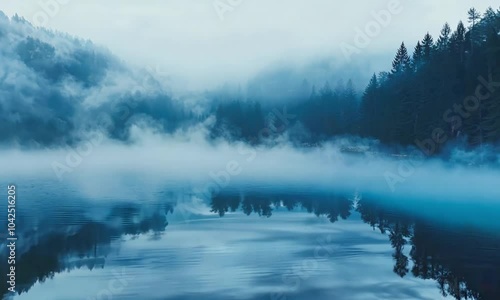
{"type": "Point", "coordinates": [208, 41]}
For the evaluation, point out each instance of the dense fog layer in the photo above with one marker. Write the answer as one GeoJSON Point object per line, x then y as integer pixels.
{"type": "Point", "coordinates": [110, 169]}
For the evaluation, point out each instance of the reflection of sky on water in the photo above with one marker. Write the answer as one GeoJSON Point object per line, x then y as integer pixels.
{"type": "Point", "coordinates": [194, 253]}
{"type": "Point", "coordinates": [240, 257]}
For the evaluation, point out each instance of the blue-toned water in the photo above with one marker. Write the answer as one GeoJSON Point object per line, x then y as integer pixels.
{"type": "Point", "coordinates": [252, 241]}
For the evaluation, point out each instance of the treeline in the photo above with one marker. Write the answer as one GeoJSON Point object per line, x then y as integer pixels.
{"type": "Point", "coordinates": [324, 113]}
{"type": "Point", "coordinates": [238, 120]}
{"type": "Point", "coordinates": [447, 88]}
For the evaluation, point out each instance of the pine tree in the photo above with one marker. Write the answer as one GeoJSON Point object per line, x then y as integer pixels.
{"type": "Point", "coordinates": [457, 41]}
{"type": "Point", "coordinates": [427, 45]}
{"type": "Point", "coordinates": [460, 32]}
{"type": "Point", "coordinates": [402, 62]}
{"type": "Point", "coordinates": [350, 107]}
{"type": "Point", "coordinates": [473, 17]}
{"type": "Point", "coordinates": [369, 110]}
{"type": "Point", "coordinates": [328, 113]}
{"type": "Point", "coordinates": [444, 38]}
{"type": "Point", "coordinates": [418, 54]}
{"type": "Point", "coordinates": [489, 22]}
{"type": "Point", "coordinates": [326, 91]}
{"type": "Point", "coordinates": [489, 15]}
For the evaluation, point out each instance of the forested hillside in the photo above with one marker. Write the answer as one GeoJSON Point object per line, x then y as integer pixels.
{"type": "Point", "coordinates": [54, 88]}
{"type": "Point", "coordinates": [447, 88]}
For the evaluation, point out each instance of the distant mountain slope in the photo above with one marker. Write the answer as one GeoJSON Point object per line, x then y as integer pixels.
{"type": "Point", "coordinates": [54, 88]}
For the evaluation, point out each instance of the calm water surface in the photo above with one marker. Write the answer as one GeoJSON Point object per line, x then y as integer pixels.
{"type": "Point", "coordinates": [252, 242]}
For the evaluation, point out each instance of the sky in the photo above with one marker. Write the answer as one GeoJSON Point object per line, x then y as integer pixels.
{"type": "Point", "coordinates": [202, 43]}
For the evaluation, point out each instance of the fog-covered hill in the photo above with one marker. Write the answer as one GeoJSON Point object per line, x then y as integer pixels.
{"type": "Point", "coordinates": [55, 88]}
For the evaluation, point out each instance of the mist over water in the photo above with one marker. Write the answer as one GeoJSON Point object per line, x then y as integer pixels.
{"type": "Point", "coordinates": [192, 160]}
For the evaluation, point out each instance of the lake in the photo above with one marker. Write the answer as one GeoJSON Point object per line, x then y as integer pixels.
{"type": "Point", "coordinates": [252, 241]}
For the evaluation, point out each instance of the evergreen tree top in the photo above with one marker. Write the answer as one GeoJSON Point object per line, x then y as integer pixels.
{"type": "Point", "coordinates": [401, 61]}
